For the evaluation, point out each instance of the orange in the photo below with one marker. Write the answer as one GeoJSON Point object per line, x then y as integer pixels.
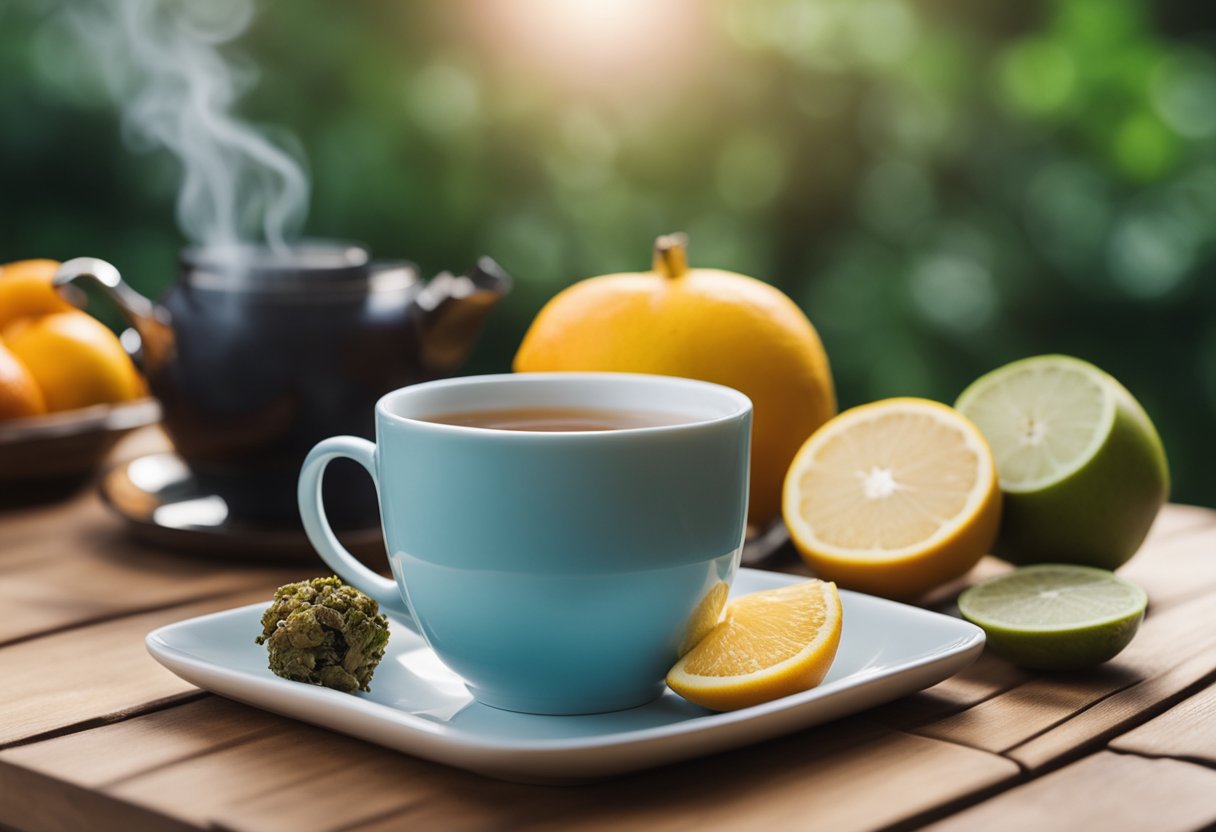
{"type": "Point", "coordinates": [770, 644]}
{"type": "Point", "coordinates": [698, 323]}
{"type": "Point", "coordinates": [20, 395]}
{"type": "Point", "coordinates": [75, 360]}
{"type": "Point", "coordinates": [26, 290]}
{"type": "Point", "coordinates": [894, 497]}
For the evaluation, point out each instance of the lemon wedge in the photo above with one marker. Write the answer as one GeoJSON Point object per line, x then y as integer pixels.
{"type": "Point", "coordinates": [769, 644]}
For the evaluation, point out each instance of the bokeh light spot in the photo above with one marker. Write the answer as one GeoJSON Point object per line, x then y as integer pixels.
{"type": "Point", "coordinates": [444, 97]}
{"type": "Point", "coordinates": [1184, 93]}
{"type": "Point", "coordinates": [1037, 77]}
{"type": "Point", "coordinates": [1144, 147]}
{"type": "Point", "coordinates": [882, 31]}
{"type": "Point", "coordinates": [896, 198]}
{"type": "Point", "coordinates": [1150, 254]}
{"type": "Point", "coordinates": [1068, 209]}
{"type": "Point", "coordinates": [749, 171]}
{"type": "Point", "coordinates": [954, 293]}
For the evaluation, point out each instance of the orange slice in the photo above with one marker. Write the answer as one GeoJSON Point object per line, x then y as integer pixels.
{"type": "Point", "coordinates": [769, 644]}
{"type": "Point", "coordinates": [893, 498]}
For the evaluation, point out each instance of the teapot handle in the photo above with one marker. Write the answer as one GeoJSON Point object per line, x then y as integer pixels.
{"type": "Point", "coordinates": [146, 318]}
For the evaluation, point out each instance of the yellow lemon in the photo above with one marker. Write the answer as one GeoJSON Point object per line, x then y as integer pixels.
{"type": "Point", "coordinates": [20, 395]}
{"type": "Point", "coordinates": [697, 323]}
{"type": "Point", "coordinates": [894, 497]}
{"type": "Point", "coordinates": [769, 644]}
{"type": "Point", "coordinates": [75, 360]}
{"type": "Point", "coordinates": [26, 290]}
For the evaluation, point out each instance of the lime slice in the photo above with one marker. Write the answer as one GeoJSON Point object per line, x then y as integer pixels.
{"type": "Point", "coordinates": [1056, 616]}
{"type": "Point", "coordinates": [1080, 464]}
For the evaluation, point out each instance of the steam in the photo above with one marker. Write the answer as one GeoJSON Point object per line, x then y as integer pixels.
{"type": "Point", "coordinates": [162, 62]}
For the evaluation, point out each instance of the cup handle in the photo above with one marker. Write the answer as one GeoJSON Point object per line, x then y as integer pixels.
{"type": "Point", "coordinates": [321, 536]}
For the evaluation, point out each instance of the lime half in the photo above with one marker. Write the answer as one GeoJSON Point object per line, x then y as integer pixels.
{"type": "Point", "coordinates": [1081, 466]}
{"type": "Point", "coordinates": [1056, 616]}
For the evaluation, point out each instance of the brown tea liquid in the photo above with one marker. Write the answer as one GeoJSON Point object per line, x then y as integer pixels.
{"type": "Point", "coordinates": [550, 419]}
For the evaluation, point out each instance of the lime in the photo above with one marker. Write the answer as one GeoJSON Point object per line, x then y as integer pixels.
{"type": "Point", "coordinates": [1080, 464]}
{"type": "Point", "coordinates": [1056, 616]}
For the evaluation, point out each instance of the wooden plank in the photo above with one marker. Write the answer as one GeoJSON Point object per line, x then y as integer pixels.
{"type": "Point", "coordinates": [283, 775]}
{"type": "Point", "coordinates": [845, 777]}
{"type": "Point", "coordinates": [1179, 517]}
{"type": "Point", "coordinates": [269, 772]}
{"type": "Point", "coordinates": [1166, 641]}
{"type": "Point", "coordinates": [1132, 706]}
{"type": "Point", "coordinates": [1187, 730]}
{"type": "Point", "coordinates": [108, 576]}
{"type": "Point", "coordinates": [1176, 567]}
{"type": "Point", "coordinates": [75, 563]}
{"type": "Point", "coordinates": [986, 678]}
{"type": "Point", "coordinates": [30, 800]}
{"type": "Point", "coordinates": [110, 753]}
{"type": "Point", "coordinates": [1108, 791]}
{"type": "Point", "coordinates": [99, 672]}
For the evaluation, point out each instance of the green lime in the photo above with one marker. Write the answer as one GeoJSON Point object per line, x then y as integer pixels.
{"type": "Point", "coordinates": [1056, 616]}
{"type": "Point", "coordinates": [1081, 466]}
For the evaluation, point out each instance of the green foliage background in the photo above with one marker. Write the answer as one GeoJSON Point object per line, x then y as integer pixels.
{"type": "Point", "coordinates": [942, 185]}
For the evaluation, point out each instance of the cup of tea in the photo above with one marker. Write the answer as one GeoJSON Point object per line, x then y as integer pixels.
{"type": "Point", "coordinates": [550, 535]}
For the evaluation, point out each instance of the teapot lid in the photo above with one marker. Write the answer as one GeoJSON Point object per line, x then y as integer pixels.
{"type": "Point", "coordinates": [309, 264]}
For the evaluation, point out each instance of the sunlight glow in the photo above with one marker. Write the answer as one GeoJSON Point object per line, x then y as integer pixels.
{"type": "Point", "coordinates": [581, 40]}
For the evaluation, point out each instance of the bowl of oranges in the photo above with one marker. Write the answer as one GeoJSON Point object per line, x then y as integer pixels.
{"type": "Point", "coordinates": [68, 389]}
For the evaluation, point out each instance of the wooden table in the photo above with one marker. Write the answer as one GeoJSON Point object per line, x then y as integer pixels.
{"type": "Point", "coordinates": [95, 735]}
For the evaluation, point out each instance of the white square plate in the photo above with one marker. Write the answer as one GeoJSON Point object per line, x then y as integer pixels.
{"type": "Point", "coordinates": [418, 706]}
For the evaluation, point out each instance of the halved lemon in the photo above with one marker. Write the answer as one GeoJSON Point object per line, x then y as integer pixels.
{"type": "Point", "coordinates": [769, 644]}
{"type": "Point", "coordinates": [893, 498]}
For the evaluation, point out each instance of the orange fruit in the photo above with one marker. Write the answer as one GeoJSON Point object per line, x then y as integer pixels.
{"type": "Point", "coordinates": [770, 644]}
{"type": "Point", "coordinates": [26, 291]}
{"type": "Point", "coordinates": [75, 360]}
{"type": "Point", "coordinates": [698, 323]}
{"type": "Point", "coordinates": [20, 395]}
{"type": "Point", "coordinates": [894, 497]}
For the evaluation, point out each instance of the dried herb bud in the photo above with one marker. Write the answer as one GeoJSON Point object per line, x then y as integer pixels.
{"type": "Point", "coordinates": [324, 632]}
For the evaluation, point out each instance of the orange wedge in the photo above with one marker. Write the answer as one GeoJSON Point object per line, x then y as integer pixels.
{"type": "Point", "coordinates": [893, 498]}
{"type": "Point", "coordinates": [769, 644]}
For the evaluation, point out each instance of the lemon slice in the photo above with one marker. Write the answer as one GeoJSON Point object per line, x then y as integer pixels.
{"type": "Point", "coordinates": [769, 644]}
{"type": "Point", "coordinates": [1056, 616]}
{"type": "Point", "coordinates": [893, 498]}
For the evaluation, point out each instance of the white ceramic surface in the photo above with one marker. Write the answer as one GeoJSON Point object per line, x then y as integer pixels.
{"type": "Point", "coordinates": [418, 706]}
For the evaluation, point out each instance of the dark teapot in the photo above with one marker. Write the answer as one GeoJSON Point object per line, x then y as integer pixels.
{"type": "Point", "coordinates": [257, 354]}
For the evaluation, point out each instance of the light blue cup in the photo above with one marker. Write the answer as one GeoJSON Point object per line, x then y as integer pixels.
{"type": "Point", "coordinates": [556, 572]}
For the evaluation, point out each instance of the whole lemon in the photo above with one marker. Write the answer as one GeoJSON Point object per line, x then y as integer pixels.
{"type": "Point", "coordinates": [75, 359]}
{"type": "Point", "coordinates": [26, 290]}
{"type": "Point", "coordinates": [20, 395]}
{"type": "Point", "coordinates": [704, 324]}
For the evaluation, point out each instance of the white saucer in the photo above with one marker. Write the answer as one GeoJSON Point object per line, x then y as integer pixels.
{"type": "Point", "coordinates": [418, 706]}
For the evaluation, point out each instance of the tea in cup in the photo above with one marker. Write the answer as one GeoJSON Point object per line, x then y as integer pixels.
{"type": "Point", "coordinates": [551, 535]}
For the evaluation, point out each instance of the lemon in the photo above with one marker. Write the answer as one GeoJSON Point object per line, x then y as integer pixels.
{"type": "Point", "coordinates": [893, 498]}
{"type": "Point", "coordinates": [1056, 616]}
{"type": "Point", "coordinates": [20, 395]}
{"type": "Point", "coordinates": [769, 644]}
{"type": "Point", "coordinates": [698, 323]}
{"type": "Point", "coordinates": [26, 290]}
{"type": "Point", "coordinates": [1082, 467]}
{"type": "Point", "coordinates": [75, 360]}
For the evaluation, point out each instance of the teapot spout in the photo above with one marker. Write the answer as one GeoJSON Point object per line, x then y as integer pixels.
{"type": "Point", "coordinates": [453, 309]}
{"type": "Point", "coordinates": [146, 318]}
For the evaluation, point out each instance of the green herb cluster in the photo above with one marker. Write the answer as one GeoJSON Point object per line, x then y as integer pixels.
{"type": "Point", "coordinates": [324, 632]}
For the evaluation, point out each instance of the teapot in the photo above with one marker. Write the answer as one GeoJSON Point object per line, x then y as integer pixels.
{"type": "Point", "coordinates": [257, 354]}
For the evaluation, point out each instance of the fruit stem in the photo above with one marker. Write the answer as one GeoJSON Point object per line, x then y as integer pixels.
{"type": "Point", "coordinates": [671, 254]}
